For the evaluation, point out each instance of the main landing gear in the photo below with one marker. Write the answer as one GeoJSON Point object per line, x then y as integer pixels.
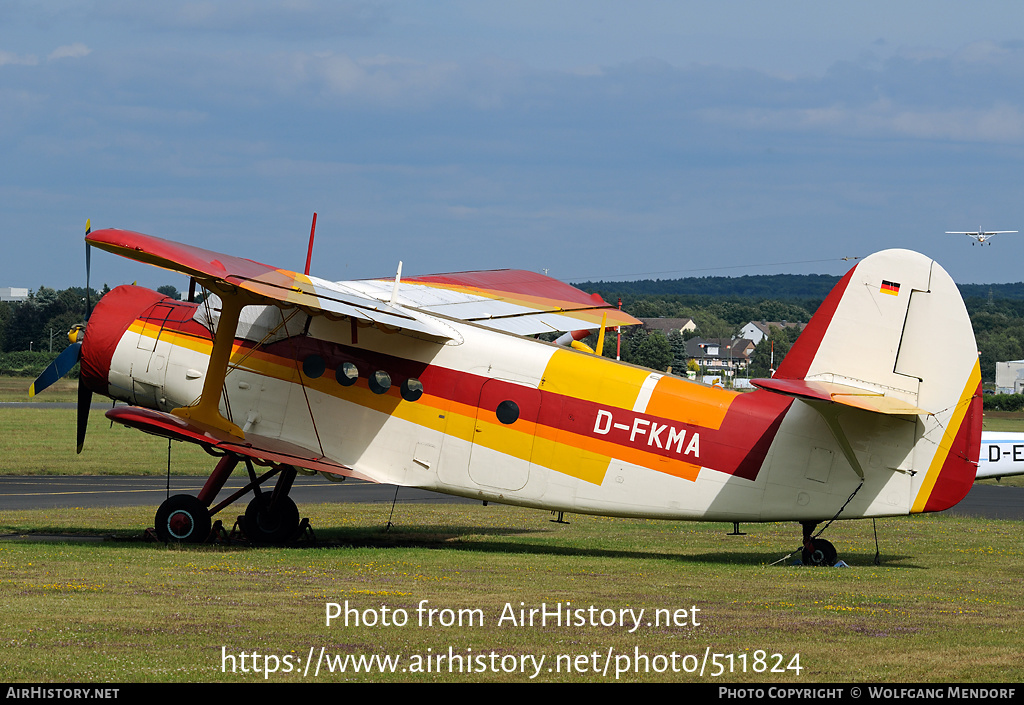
{"type": "Point", "coordinates": [270, 518]}
{"type": "Point", "coordinates": [184, 519]}
{"type": "Point", "coordinates": [817, 551]}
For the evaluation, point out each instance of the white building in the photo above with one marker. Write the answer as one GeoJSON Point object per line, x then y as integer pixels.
{"type": "Point", "coordinates": [1010, 377]}
{"type": "Point", "coordinates": [756, 331]}
{"type": "Point", "coordinates": [13, 294]}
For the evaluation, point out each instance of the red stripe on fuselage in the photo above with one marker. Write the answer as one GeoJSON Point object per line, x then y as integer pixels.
{"type": "Point", "coordinates": [737, 448]}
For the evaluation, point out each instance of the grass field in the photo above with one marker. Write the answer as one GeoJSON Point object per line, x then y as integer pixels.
{"type": "Point", "coordinates": [16, 389]}
{"type": "Point", "coordinates": [944, 605]}
{"type": "Point", "coordinates": [42, 442]}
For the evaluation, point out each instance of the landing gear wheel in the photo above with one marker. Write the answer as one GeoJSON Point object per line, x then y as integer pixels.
{"type": "Point", "coordinates": [277, 526]}
{"type": "Point", "coordinates": [184, 519]}
{"type": "Point", "coordinates": [821, 552]}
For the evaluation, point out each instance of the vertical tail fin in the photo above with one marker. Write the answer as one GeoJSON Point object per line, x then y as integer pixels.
{"type": "Point", "coordinates": [895, 328]}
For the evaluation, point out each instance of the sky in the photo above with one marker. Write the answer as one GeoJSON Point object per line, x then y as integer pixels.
{"type": "Point", "coordinates": [584, 138]}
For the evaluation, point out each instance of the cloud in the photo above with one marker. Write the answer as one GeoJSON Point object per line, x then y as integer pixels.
{"type": "Point", "coordinates": [281, 18]}
{"type": "Point", "coordinates": [884, 120]}
{"type": "Point", "coordinates": [70, 51]}
{"type": "Point", "coordinates": [10, 59]}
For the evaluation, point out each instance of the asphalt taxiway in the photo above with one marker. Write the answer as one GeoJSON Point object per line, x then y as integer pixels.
{"type": "Point", "coordinates": [990, 501]}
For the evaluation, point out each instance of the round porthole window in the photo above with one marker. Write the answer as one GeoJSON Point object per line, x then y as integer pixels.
{"type": "Point", "coordinates": [347, 374]}
{"type": "Point", "coordinates": [380, 382]}
{"type": "Point", "coordinates": [507, 411]}
{"type": "Point", "coordinates": [412, 389]}
{"type": "Point", "coordinates": [314, 366]}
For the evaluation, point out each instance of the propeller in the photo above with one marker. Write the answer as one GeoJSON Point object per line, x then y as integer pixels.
{"type": "Point", "coordinates": [70, 357]}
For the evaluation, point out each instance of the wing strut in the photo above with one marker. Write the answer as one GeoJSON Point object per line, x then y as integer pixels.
{"type": "Point", "coordinates": [207, 410]}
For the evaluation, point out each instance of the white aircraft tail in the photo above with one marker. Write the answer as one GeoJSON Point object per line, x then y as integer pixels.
{"type": "Point", "coordinates": [894, 337]}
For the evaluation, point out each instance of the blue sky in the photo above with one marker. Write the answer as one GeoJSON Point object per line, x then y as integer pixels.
{"type": "Point", "coordinates": [591, 139]}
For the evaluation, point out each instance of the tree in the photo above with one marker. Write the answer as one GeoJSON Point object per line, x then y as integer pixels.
{"type": "Point", "coordinates": [169, 291]}
{"type": "Point", "coordinates": [761, 359]}
{"type": "Point", "coordinates": [654, 351]}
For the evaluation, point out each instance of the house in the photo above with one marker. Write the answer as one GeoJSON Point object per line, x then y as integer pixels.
{"type": "Point", "coordinates": [757, 331]}
{"type": "Point", "coordinates": [667, 325]}
{"type": "Point", "coordinates": [720, 354]}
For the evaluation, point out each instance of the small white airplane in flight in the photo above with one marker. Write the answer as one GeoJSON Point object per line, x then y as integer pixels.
{"type": "Point", "coordinates": [979, 234]}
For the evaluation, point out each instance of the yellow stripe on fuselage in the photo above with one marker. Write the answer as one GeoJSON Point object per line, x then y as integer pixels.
{"type": "Point", "coordinates": [587, 377]}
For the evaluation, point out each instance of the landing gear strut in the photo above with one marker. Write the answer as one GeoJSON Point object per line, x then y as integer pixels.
{"type": "Point", "coordinates": [270, 518]}
{"type": "Point", "coordinates": [817, 551]}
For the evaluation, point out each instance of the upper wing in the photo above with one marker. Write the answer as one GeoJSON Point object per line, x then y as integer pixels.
{"type": "Point", "coordinates": [511, 300]}
{"type": "Point", "coordinates": [264, 283]}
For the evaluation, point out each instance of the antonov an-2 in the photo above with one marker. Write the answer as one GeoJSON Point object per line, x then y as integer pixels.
{"type": "Point", "coordinates": [436, 382]}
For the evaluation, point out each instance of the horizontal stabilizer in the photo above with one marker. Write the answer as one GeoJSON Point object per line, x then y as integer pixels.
{"type": "Point", "coordinates": [869, 400]}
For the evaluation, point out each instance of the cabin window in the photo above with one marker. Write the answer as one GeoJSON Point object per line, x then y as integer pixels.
{"type": "Point", "coordinates": [412, 389]}
{"type": "Point", "coordinates": [380, 382]}
{"type": "Point", "coordinates": [347, 374]}
{"type": "Point", "coordinates": [507, 411]}
{"type": "Point", "coordinates": [314, 366]}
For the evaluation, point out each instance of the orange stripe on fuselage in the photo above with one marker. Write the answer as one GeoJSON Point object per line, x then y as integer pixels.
{"type": "Point", "coordinates": [559, 441]}
{"type": "Point", "coordinates": [613, 390]}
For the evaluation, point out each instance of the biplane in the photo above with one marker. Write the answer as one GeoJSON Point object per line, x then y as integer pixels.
{"type": "Point", "coordinates": [439, 382]}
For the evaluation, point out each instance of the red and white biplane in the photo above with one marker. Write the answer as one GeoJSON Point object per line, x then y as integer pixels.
{"type": "Point", "coordinates": [434, 382]}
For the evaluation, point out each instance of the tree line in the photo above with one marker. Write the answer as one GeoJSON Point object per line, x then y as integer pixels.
{"type": "Point", "coordinates": [34, 331]}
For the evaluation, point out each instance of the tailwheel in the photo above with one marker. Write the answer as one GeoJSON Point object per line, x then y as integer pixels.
{"type": "Point", "coordinates": [819, 552]}
{"type": "Point", "coordinates": [271, 522]}
{"type": "Point", "coordinates": [184, 519]}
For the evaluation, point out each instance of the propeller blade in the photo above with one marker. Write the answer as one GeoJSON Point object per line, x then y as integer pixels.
{"type": "Point", "coordinates": [57, 369]}
{"type": "Point", "coordinates": [84, 402]}
{"type": "Point", "coordinates": [88, 266]}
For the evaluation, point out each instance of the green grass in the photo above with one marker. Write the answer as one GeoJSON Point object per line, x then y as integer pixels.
{"type": "Point", "coordinates": [42, 442]}
{"type": "Point", "coordinates": [16, 389]}
{"type": "Point", "coordinates": [944, 605]}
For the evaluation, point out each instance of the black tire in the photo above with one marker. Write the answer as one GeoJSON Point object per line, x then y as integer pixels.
{"type": "Point", "coordinates": [823, 553]}
{"type": "Point", "coordinates": [183, 519]}
{"type": "Point", "coordinates": [273, 527]}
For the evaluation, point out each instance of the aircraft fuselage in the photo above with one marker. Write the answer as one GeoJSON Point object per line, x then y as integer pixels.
{"type": "Point", "coordinates": [498, 417]}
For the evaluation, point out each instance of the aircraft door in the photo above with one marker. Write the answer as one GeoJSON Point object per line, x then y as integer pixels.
{"type": "Point", "coordinates": [503, 434]}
